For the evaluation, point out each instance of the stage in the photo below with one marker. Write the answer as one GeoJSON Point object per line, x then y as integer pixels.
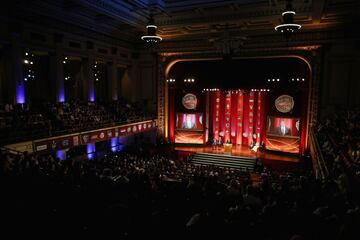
{"type": "Point", "coordinates": [242, 151]}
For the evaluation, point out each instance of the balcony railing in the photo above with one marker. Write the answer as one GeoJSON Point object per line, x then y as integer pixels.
{"type": "Point", "coordinates": [319, 165]}
{"type": "Point", "coordinates": [13, 135]}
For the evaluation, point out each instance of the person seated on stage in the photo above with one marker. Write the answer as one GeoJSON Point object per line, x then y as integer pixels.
{"type": "Point", "coordinates": [214, 142]}
{"type": "Point", "coordinates": [262, 146]}
{"type": "Point", "coordinates": [255, 148]}
{"type": "Point", "coordinates": [251, 144]}
{"type": "Point", "coordinates": [220, 142]}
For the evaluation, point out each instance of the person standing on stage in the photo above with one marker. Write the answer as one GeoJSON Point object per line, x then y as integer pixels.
{"type": "Point", "coordinates": [214, 143]}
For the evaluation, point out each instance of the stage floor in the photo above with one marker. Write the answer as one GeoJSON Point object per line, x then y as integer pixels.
{"type": "Point", "coordinates": [243, 151]}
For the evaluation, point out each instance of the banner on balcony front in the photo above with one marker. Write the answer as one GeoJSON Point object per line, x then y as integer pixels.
{"type": "Point", "coordinates": [73, 140]}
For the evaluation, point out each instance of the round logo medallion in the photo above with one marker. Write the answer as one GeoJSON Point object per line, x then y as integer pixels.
{"type": "Point", "coordinates": [284, 103]}
{"type": "Point", "coordinates": [189, 101]}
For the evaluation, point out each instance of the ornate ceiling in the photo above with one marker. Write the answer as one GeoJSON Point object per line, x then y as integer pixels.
{"type": "Point", "coordinates": [187, 21]}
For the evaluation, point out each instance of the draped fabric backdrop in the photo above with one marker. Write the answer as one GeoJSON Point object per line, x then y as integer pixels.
{"type": "Point", "coordinates": [238, 116]}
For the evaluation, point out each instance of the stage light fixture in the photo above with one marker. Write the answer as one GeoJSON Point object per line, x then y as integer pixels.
{"type": "Point", "coordinates": [288, 27]}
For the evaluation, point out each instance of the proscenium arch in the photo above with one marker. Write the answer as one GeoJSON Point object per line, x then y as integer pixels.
{"type": "Point", "coordinates": [302, 58]}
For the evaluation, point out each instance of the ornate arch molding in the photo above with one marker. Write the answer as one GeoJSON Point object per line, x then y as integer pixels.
{"type": "Point", "coordinates": [311, 55]}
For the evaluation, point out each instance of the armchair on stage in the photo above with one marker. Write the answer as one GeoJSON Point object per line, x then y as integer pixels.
{"type": "Point", "coordinates": [257, 147]}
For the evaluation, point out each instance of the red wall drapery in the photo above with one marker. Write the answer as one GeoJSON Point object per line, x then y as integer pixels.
{"type": "Point", "coordinates": [251, 106]}
{"type": "Point", "coordinates": [227, 116]}
{"type": "Point", "coordinates": [216, 117]}
{"type": "Point", "coordinates": [239, 117]}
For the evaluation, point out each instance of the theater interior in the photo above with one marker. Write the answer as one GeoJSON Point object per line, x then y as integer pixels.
{"type": "Point", "coordinates": [180, 118]}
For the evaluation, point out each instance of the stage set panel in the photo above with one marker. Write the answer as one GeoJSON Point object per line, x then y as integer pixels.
{"type": "Point", "coordinates": [189, 137]}
{"type": "Point", "coordinates": [240, 117]}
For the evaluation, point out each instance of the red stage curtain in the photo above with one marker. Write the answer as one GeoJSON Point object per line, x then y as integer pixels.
{"type": "Point", "coordinates": [237, 113]}
{"type": "Point", "coordinates": [303, 121]}
{"type": "Point", "coordinates": [227, 116]}
{"type": "Point", "coordinates": [239, 117]}
{"type": "Point", "coordinates": [222, 116]}
{"type": "Point", "coordinates": [262, 117]}
{"type": "Point", "coordinates": [258, 118]}
{"type": "Point", "coordinates": [245, 118]}
{"type": "Point", "coordinates": [233, 119]}
{"type": "Point", "coordinates": [216, 116]}
{"type": "Point", "coordinates": [251, 116]}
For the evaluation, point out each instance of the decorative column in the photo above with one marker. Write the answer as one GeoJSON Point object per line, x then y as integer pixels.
{"type": "Point", "coordinates": [57, 74]}
{"type": "Point", "coordinates": [112, 81]}
{"type": "Point", "coordinates": [161, 99]}
{"type": "Point", "coordinates": [16, 59]}
{"type": "Point", "coordinates": [88, 77]}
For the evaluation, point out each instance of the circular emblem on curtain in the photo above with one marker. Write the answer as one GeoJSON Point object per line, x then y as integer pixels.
{"type": "Point", "coordinates": [189, 101]}
{"type": "Point", "coordinates": [284, 103]}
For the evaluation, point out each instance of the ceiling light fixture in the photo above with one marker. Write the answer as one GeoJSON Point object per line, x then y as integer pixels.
{"type": "Point", "coordinates": [288, 27]}
{"type": "Point", "coordinates": [151, 36]}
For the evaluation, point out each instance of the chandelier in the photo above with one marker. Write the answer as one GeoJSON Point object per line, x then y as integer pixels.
{"type": "Point", "coordinates": [287, 27]}
{"type": "Point", "coordinates": [151, 36]}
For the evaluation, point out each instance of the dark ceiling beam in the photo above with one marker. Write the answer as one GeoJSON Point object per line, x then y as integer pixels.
{"type": "Point", "coordinates": [273, 2]}
{"type": "Point", "coordinates": [120, 11]}
{"type": "Point", "coordinates": [188, 5]}
{"type": "Point", "coordinates": [256, 12]}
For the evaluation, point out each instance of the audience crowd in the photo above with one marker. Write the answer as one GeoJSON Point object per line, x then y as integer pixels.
{"type": "Point", "coordinates": [136, 194]}
{"type": "Point", "coordinates": [21, 122]}
{"type": "Point", "coordinates": [339, 140]}
{"type": "Point", "coordinates": [130, 194]}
